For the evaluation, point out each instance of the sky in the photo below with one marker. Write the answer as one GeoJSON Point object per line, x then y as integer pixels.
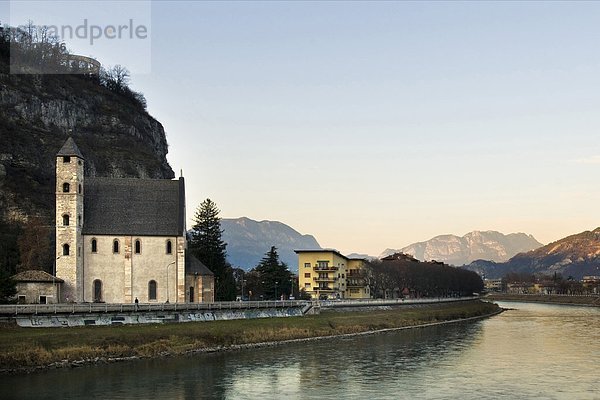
{"type": "Point", "coordinates": [372, 125]}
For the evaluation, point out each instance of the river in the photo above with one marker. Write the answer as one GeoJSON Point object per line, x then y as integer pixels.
{"type": "Point", "coordinates": [533, 351]}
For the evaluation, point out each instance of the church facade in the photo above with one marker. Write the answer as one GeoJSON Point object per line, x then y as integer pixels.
{"type": "Point", "coordinates": [121, 239]}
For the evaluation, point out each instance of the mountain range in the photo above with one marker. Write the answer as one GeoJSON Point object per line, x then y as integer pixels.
{"type": "Point", "coordinates": [576, 255]}
{"type": "Point", "coordinates": [248, 241]}
{"type": "Point", "coordinates": [477, 245]}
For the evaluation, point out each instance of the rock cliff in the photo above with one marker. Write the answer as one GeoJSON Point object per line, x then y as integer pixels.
{"type": "Point", "coordinates": [39, 112]}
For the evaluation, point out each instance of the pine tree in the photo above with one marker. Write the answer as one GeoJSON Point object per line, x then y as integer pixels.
{"type": "Point", "coordinates": [275, 275]}
{"type": "Point", "coordinates": [208, 246]}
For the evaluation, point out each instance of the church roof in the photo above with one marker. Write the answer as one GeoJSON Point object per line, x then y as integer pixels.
{"type": "Point", "coordinates": [136, 207]}
{"type": "Point", "coordinates": [36, 276]}
{"type": "Point", "coordinates": [69, 149]}
{"type": "Point", "coordinates": [195, 266]}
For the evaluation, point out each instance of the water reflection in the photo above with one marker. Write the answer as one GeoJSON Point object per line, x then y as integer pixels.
{"type": "Point", "coordinates": [535, 351]}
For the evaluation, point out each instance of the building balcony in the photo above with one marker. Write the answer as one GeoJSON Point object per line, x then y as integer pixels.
{"type": "Point", "coordinates": [323, 289]}
{"type": "Point", "coordinates": [324, 279]}
{"type": "Point", "coordinates": [331, 268]}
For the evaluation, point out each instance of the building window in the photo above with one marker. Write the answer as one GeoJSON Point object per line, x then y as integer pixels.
{"type": "Point", "coordinates": [94, 246]}
{"type": "Point", "coordinates": [169, 247]}
{"type": "Point", "coordinates": [65, 249]}
{"type": "Point", "coordinates": [97, 290]}
{"type": "Point", "coordinates": [66, 220]}
{"type": "Point", "coordinates": [115, 246]}
{"type": "Point", "coordinates": [307, 285]}
{"type": "Point", "coordinates": [323, 264]}
{"type": "Point", "coordinates": [80, 188]}
{"type": "Point", "coordinates": [306, 265]}
{"type": "Point", "coordinates": [66, 159]}
{"type": "Point", "coordinates": [307, 274]}
{"type": "Point", "coordinates": [138, 246]}
{"type": "Point", "coordinates": [79, 220]}
{"type": "Point", "coordinates": [66, 187]}
{"type": "Point", "coordinates": [152, 290]}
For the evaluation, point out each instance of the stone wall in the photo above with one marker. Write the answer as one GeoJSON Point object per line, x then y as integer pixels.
{"type": "Point", "coordinates": [126, 275]}
{"type": "Point", "coordinates": [33, 290]}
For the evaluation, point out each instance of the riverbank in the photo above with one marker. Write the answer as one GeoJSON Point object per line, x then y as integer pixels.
{"type": "Point", "coordinates": [28, 350]}
{"type": "Point", "coordinates": [547, 298]}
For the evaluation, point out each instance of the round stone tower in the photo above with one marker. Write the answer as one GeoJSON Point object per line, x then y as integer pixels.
{"type": "Point", "coordinates": [69, 221]}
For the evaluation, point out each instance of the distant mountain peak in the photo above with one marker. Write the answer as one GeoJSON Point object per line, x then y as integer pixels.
{"type": "Point", "coordinates": [575, 255]}
{"type": "Point", "coordinates": [248, 240]}
{"type": "Point", "coordinates": [460, 250]}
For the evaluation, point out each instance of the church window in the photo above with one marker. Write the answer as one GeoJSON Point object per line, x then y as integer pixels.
{"type": "Point", "coordinates": [66, 187]}
{"type": "Point", "coordinates": [169, 247]}
{"type": "Point", "coordinates": [66, 220]}
{"type": "Point", "coordinates": [138, 246]}
{"type": "Point", "coordinates": [94, 246]}
{"type": "Point", "coordinates": [65, 249]}
{"type": "Point", "coordinates": [115, 246]}
{"type": "Point", "coordinates": [80, 188]}
{"type": "Point", "coordinates": [66, 159]}
{"type": "Point", "coordinates": [79, 220]}
{"type": "Point", "coordinates": [97, 290]}
{"type": "Point", "coordinates": [152, 290]}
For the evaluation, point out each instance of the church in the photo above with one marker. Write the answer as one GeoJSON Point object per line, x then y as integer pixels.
{"type": "Point", "coordinates": [122, 239]}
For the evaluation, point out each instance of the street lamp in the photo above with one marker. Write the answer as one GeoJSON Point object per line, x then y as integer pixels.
{"type": "Point", "coordinates": [243, 281]}
{"type": "Point", "coordinates": [276, 290]}
{"type": "Point", "coordinates": [168, 265]}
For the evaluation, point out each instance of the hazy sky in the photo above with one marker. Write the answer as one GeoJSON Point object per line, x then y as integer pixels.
{"type": "Point", "coordinates": [375, 125]}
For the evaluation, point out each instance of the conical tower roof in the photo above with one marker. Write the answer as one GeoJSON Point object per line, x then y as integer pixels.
{"type": "Point", "coordinates": [69, 149]}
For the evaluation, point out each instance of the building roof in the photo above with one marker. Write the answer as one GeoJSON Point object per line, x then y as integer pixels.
{"type": "Point", "coordinates": [334, 251]}
{"type": "Point", "coordinates": [136, 207]}
{"type": "Point", "coordinates": [36, 276]}
{"type": "Point", "coordinates": [69, 149]}
{"type": "Point", "coordinates": [195, 266]}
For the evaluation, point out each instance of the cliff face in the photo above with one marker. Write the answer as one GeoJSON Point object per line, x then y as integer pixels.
{"type": "Point", "coordinates": [39, 112]}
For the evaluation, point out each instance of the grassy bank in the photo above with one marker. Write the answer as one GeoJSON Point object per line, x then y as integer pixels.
{"type": "Point", "coordinates": [28, 348]}
{"type": "Point", "coordinates": [547, 298]}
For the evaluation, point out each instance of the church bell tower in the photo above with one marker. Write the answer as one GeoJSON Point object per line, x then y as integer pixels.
{"type": "Point", "coordinates": [69, 221]}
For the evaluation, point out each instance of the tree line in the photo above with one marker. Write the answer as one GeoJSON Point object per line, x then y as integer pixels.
{"type": "Point", "coordinates": [401, 275]}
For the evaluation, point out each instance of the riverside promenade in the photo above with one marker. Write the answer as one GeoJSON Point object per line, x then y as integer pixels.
{"type": "Point", "coordinates": [86, 314]}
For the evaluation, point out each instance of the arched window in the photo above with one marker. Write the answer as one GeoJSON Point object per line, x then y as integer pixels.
{"type": "Point", "coordinates": [79, 220]}
{"type": "Point", "coordinates": [97, 290]}
{"type": "Point", "coordinates": [169, 247]}
{"type": "Point", "coordinates": [66, 187]}
{"type": "Point", "coordinates": [66, 220]}
{"type": "Point", "coordinates": [94, 246]}
{"type": "Point", "coordinates": [65, 249]}
{"type": "Point", "coordinates": [152, 290]}
{"type": "Point", "coordinates": [115, 246]}
{"type": "Point", "coordinates": [80, 188]}
{"type": "Point", "coordinates": [138, 246]}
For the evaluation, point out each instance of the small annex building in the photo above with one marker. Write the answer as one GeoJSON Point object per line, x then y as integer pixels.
{"type": "Point", "coordinates": [37, 287]}
{"type": "Point", "coordinates": [118, 239]}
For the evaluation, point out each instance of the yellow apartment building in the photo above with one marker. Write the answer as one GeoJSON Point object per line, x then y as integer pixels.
{"type": "Point", "coordinates": [328, 274]}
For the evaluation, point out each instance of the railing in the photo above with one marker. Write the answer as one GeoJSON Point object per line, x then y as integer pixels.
{"type": "Point", "coordinates": [323, 289]}
{"type": "Point", "coordinates": [82, 308]}
{"type": "Point", "coordinates": [332, 268]}
{"type": "Point", "coordinates": [323, 279]}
